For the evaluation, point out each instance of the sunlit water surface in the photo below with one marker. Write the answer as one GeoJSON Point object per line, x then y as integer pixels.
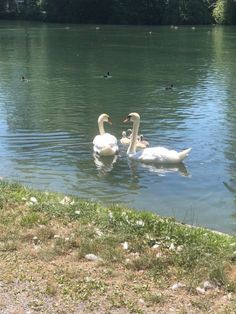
{"type": "Point", "coordinates": [47, 123]}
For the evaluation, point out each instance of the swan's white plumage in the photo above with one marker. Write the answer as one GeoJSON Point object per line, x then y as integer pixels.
{"type": "Point", "coordinates": [105, 144]}
{"type": "Point", "coordinates": [160, 155]}
{"type": "Point", "coordinates": [124, 140]}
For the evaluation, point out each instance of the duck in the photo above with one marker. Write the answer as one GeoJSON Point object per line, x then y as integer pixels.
{"type": "Point", "coordinates": [169, 87]}
{"type": "Point", "coordinates": [158, 155]}
{"type": "Point", "coordinates": [105, 144]}
{"type": "Point", "coordinates": [107, 75]}
{"type": "Point", "coordinates": [24, 79]}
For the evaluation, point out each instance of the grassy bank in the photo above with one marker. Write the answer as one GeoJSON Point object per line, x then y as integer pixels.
{"type": "Point", "coordinates": [65, 255]}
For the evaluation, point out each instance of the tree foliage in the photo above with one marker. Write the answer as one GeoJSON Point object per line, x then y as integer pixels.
{"type": "Point", "coordinates": [139, 12]}
{"type": "Point", "coordinates": [225, 12]}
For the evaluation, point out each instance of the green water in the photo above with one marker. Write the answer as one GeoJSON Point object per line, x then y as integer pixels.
{"type": "Point", "coordinates": [47, 123]}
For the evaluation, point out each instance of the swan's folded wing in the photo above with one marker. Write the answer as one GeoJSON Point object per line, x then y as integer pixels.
{"type": "Point", "coordinates": [159, 154]}
{"type": "Point", "coordinates": [104, 140]}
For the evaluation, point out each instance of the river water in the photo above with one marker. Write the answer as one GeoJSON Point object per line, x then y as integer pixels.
{"type": "Point", "coordinates": [48, 122]}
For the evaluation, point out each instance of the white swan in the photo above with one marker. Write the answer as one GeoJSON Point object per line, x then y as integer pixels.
{"type": "Point", "coordinates": [124, 140]}
{"type": "Point", "coordinates": [105, 144]}
{"type": "Point", "coordinates": [159, 155]}
{"type": "Point", "coordinates": [141, 143]}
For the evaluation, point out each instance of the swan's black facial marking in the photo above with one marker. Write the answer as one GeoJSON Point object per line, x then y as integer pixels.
{"type": "Point", "coordinates": [109, 120]}
{"type": "Point", "coordinates": [127, 119]}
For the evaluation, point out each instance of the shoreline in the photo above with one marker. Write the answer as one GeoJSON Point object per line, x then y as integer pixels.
{"type": "Point", "coordinates": [61, 254]}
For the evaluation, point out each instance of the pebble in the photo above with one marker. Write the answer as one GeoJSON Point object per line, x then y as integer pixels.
{"type": "Point", "coordinates": [35, 240]}
{"type": "Point", "coordinates": [208, 285]}
{"type": "Point", "coordinates": [92, 257]}
{"type": "Point", "coordinates": [134, 254]}
{"type": "Point", "coordinates": [110, 215]}
{"type": "Point", "coordinates": [177, 285]}
{"type": "Point", "coordinates": [155, 246]}
{"type": "Point", "coordinates": [200, 290]}
{"type": "Point", "coordinates": [33, 200]}
{"type": "Point", "coordinates": [99, 232]}
{"type": "Point", "coordinates": [180, 248]}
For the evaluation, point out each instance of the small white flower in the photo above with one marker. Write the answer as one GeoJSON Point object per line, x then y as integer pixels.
{"type": "Point", "coordinates": [172, 247]}
{"type": "Point", "coordinates": [66, 201]}
{"type": "Point", "coordinates": [125, 245]}
{"type": "Point", "coordinates": [110, 215]}
{"type": "Point", "coordinates": [140, 223]}
{"type": "Point", "coordinates": [77, 212]}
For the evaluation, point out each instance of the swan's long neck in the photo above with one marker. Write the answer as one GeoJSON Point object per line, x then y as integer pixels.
{"type": "Point", "coordinates": [101, 126]}
{"type": "Point", "coordinates": [133, 142]}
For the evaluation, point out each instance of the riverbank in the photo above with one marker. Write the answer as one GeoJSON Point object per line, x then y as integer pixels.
{"type": "Point", "coordinates": [60, 254]}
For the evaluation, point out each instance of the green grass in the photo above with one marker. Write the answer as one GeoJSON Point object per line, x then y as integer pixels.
{"type": "Point", "coordinates": [79, 227]}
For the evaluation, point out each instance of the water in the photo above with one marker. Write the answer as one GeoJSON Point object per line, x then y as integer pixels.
{"type": "Point", "coordinates": [47, 123]}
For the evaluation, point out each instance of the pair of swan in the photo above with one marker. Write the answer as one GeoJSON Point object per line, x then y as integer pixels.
{"type": "Point", "coordinates": [105, 144]}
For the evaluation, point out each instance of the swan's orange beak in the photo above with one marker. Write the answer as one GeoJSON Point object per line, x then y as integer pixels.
{"type": "Point", "coordinates": [109, 120]}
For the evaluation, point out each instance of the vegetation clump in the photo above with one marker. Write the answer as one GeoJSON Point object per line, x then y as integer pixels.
{"type": "Point", "coordinates": [66, 255]}
{"type": "Point", "coordinates": [138, 12]}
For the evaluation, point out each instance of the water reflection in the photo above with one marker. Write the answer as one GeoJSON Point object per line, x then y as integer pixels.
{"type": "Point", "coordinates": [162, 170]}
{"type": "Point", "coordinates": [104, 164]}
{"type": "Point", "coordinates": [230, 187]}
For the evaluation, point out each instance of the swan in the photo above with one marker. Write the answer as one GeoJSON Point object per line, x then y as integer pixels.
{"type": "Point", "coordinates": [130, 133]}
{"type": "Point", "coordinates": [160, 155]}
{"type": "Point", "coordinates": [105, 144]}
{"type": "Point", "coordinates": [143, 142]}
{"type": "Point", "coordinates": [125, 140]}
